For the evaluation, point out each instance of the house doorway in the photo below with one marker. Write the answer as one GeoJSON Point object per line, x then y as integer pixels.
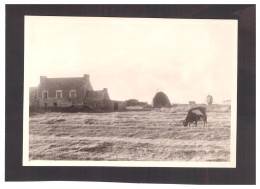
{"type": "Point", "coordinates": [116, 106]}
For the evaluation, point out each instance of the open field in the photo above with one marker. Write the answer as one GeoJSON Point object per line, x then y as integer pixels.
{"type": "Point", "coordinates": [156, 135]}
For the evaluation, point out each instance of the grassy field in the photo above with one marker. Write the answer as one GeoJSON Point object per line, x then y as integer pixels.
{"type": "Point", "coordinates": [154, 135]}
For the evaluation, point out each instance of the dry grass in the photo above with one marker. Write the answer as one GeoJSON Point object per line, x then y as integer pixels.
{"type": "Point", "coordinates": [136, 135]}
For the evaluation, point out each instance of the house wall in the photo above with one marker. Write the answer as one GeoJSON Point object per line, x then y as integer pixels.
{"type": "Point", "coordinates": [65, 100]}
{"type": "Point", "coordinates": [33, 93]}
{"type": "Point", "coordinates": [96, 95]}
{"type": "Point", "coordinates": [33, 103]}
{"type": "Point", "coordinates": [60, 102]}
{"type": "Point", "coordinates": [51, 85]}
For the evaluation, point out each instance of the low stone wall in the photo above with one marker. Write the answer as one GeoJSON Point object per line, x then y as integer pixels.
{"type": "Point", "coordinates": [106, 105]}
{"type": "Point", "coordinates": [102, 105]}
{"type": "Point", "coordinates": [121, 105]}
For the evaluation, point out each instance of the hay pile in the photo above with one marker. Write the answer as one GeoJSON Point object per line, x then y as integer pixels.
{"type": "Point", "coordinates": [161, 100]}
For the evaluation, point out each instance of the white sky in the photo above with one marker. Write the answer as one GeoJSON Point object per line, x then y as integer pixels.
{"type": "Point", "coordinates": [136, 57]}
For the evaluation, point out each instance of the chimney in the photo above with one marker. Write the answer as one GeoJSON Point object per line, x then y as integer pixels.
{"type": "Point", "coordinates": [42, 79]}
{"type": "Point", "coordinates": [86, 77]}
{"type": "Point", "coordinates": [105, 89]}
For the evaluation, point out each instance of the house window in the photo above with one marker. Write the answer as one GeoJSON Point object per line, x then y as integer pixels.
{"type": "Point", "coordinates": [73, 94]}
{"type": "Point", "coordinates": [45, 94]}
{"type": "Point", "coordinates": [59, 94]}
{"type": "Point", "coordinates": [45, 104]}
{"type": "Point", "coordinates": [54, 104]}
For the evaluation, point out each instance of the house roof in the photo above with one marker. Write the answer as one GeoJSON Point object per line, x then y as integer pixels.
{"type": "Point", "coordinates": [66, 83]}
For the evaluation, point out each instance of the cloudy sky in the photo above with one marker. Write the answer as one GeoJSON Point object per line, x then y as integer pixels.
{"type": "Point", "coordinates": [136, 57]}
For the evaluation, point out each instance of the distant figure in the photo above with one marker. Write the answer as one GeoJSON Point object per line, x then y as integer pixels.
{"type": "Point", "coordinates": [161, 100]}
{"type": "Point", "coordinates": [195, 115]}
{"type": "Point", "coordinates": [209, 100]}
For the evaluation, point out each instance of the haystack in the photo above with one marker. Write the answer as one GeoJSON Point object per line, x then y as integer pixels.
{"type": "Point", "coordinates": [161, 100]}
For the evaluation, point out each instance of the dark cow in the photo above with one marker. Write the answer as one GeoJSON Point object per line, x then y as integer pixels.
{"type": "Point", "coordinates": [195, 115]}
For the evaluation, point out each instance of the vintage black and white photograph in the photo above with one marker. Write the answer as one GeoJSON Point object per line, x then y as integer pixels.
{"type": "Point", "coordinates": [143, 92]}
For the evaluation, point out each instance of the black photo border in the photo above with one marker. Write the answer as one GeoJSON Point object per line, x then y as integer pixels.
{"type": "Point", "coordinates": [245, 171]}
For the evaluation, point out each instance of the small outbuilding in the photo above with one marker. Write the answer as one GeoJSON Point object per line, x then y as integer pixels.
{"type": "Point", "coordinates": [132, 102]}
{"type": "Point", "coordinates": [192, 102]}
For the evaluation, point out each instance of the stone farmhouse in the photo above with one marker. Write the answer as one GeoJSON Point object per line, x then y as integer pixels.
{"type": "Point", "coordinates": [63, 92]}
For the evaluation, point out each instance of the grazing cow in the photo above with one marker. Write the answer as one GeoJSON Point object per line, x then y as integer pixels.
{"type": "Point", "coordinates": [195, 115]}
